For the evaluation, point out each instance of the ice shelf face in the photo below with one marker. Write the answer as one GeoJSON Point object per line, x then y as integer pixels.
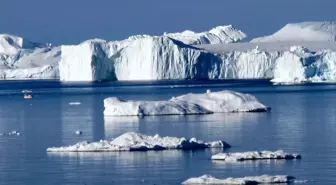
{"type": "Point", "coordinates": [256, 155]}
{"type": "Point", "coordinates": [263, 179]}
{"type": "Point", "coordinates": [210, 102]}
{"type": "Point", "coordinates": [85, 62]}
{"type": "Point", "coordinates": [304, 31]}
{"type": "Point", "coordinates": [137, 142]}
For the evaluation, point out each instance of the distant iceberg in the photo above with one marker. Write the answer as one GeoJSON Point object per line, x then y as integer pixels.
{"type": "Point", "coordinates": [263, 179]}
{"type": "Point", "coordinates": [304, 31]}
{"type": "Point", "coordinates": [132, 141]}
{"type": "Point", "coordinates": [298, 53]}
{"type": "Point", "coordinates": [243, 156]}
{"type": "Point", "coordinates": [210, 102]}
{"type": "Point", "coordinates": [23, 59]}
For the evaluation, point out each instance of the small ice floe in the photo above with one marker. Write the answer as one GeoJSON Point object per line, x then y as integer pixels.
{"type": "Point", "coordinates": [206, 103]}
{"type": "Point", "coordinates": [263, 179]}
{"type": "Point", "coordinates": [78, 132]}
{"type": "Point", "coordinates": [27, 91]}
{"type": "Point", "coordinates": [74, 103]}
{"type": "Point", "coordinates": [257, 155]}
{"type": "Point", "coordinates": [132, 141]}
{"type": "Point", "coordinates": [27, 94]}
{"type": "Point", "coordinates": [13, 133]}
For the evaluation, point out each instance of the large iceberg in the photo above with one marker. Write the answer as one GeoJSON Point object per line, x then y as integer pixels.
{"type": "Point", "coordinates": [210, 102]}
{"type": "Point", "coordinates": [263, 179]}
{"type": "Point", "coordinates": [256, 155]}
{"type": "Point", "coordinates": [301, 52]}
{"type": "Point", "coordinates": [304, 31]}
{"type": "Point", "coordinates": [148, 58]}
{"type": "Point", "coordinates": [132, 141]}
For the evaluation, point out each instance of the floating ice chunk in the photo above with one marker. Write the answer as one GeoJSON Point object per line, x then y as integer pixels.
{"type": "Point", "coordinates": [12, 133]}
{"type": "Point", "coordinates": [224, 101]}
{"type": "Point", "coordinates": [78, 132]}
{"type": "Point", "coordinates": [254, 156]}
{"type": "Point", "coordinates": [74, 103]}
{"type": "Point", "coordinates": [117, 107]}
{"type": "Point", "coordinates": [137, 142]}
{"type": "Point", "coordinates": [263, 179]}
{"type": "Point", "coordinates": [210, 102]}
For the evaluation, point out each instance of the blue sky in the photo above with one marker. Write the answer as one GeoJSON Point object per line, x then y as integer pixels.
{"type": "Point", "coordinates": [73, 21]}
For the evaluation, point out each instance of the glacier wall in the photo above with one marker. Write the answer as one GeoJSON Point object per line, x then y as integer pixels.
{"type": "Point", "coordinates": [148, 58]}
{"type": "Point", "coordinates": [157, 58]}
{"type": "Point", "coordinates": [179, 56]}
{"type": "Point", "coordinates": [85, 62]}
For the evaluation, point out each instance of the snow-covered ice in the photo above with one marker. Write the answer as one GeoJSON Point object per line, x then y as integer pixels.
{"type": "Point", "coordinates": [207, 103]}
{"type": "Point", "coordinates": [132, 141]}
{"type": "Point", "coordinates": [218, 35]}
{"type": "Point", "coordinates": [304, 31]}
{"type": "Point", "coordinates": [256, 155]}
{"type": "Point", "coordinates": [22, 59]}
{"type": "Point", "coordinates": [263, 179]}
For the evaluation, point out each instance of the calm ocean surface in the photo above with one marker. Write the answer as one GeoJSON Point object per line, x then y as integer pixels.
{"type": "Point", "coordinates": [303, 120]}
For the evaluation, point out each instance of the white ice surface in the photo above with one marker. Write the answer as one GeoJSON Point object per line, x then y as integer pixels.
{"type": "Point", "coordinates": [256, 155]}
{"type": "Point", "coordinates": [288, 64]}
{"type": "Point", "coordinates": [22, 59]}
{"type": "Point", "coordinates": [210, 102]}
{"type": "Point", "coordinates": [263, 179]}
{"type": "Point", "coordinates": [131, 141]}
{"type": "Point", "coordinates": [304, 31]}
{"type": "Point", "coordinates": [218, 35]}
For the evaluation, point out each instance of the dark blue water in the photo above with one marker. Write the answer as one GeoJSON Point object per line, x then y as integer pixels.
{"type": "Point", "coordinates": [303, 119]}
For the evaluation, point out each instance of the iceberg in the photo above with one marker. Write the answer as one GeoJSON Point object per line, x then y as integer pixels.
{"type": "Point", "coordinates": [218, 35]}
{"type": "Point", "coordinates": [132, 141]}
{"type": "Point", "coordinates": [149, 58]}
{"type": "Point", "coordinates": [256, 155]}
{"type": "Point", "coordinates": [298, 53]}
{"type": "Point", "coordinates": [304, 31]}
{"type": "Point", "coordinates": [12, 45]}
{"type": "Point", "coordinates": [207, 103]}
{"type": "Point", "coordinates": [22, 59]}
{"type": "Point", "coordinates": [263, 179]}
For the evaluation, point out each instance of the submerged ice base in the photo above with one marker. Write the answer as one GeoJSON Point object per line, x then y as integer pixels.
{"type": "Point", "coordinates": [263, 179]}
{"type": "Point", "coordinates": [137, 142]}
{"type": "Point", "coordinates": [242, 156]}
{"type": "Point", "coordinates": [207, 103]}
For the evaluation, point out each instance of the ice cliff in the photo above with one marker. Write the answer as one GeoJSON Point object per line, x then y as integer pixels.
{"type": "Point", "coordinates": [301, 52]}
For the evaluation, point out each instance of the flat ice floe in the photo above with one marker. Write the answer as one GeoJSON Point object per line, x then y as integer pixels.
{"type": "Point", "coordinates": [132, 141]}
{"type": "Point", "coordinates": [207, 103]}
{"type": "Point", "coordinates": [242, 156]}
{"type": "Point", "coordinates": [263, 179]}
